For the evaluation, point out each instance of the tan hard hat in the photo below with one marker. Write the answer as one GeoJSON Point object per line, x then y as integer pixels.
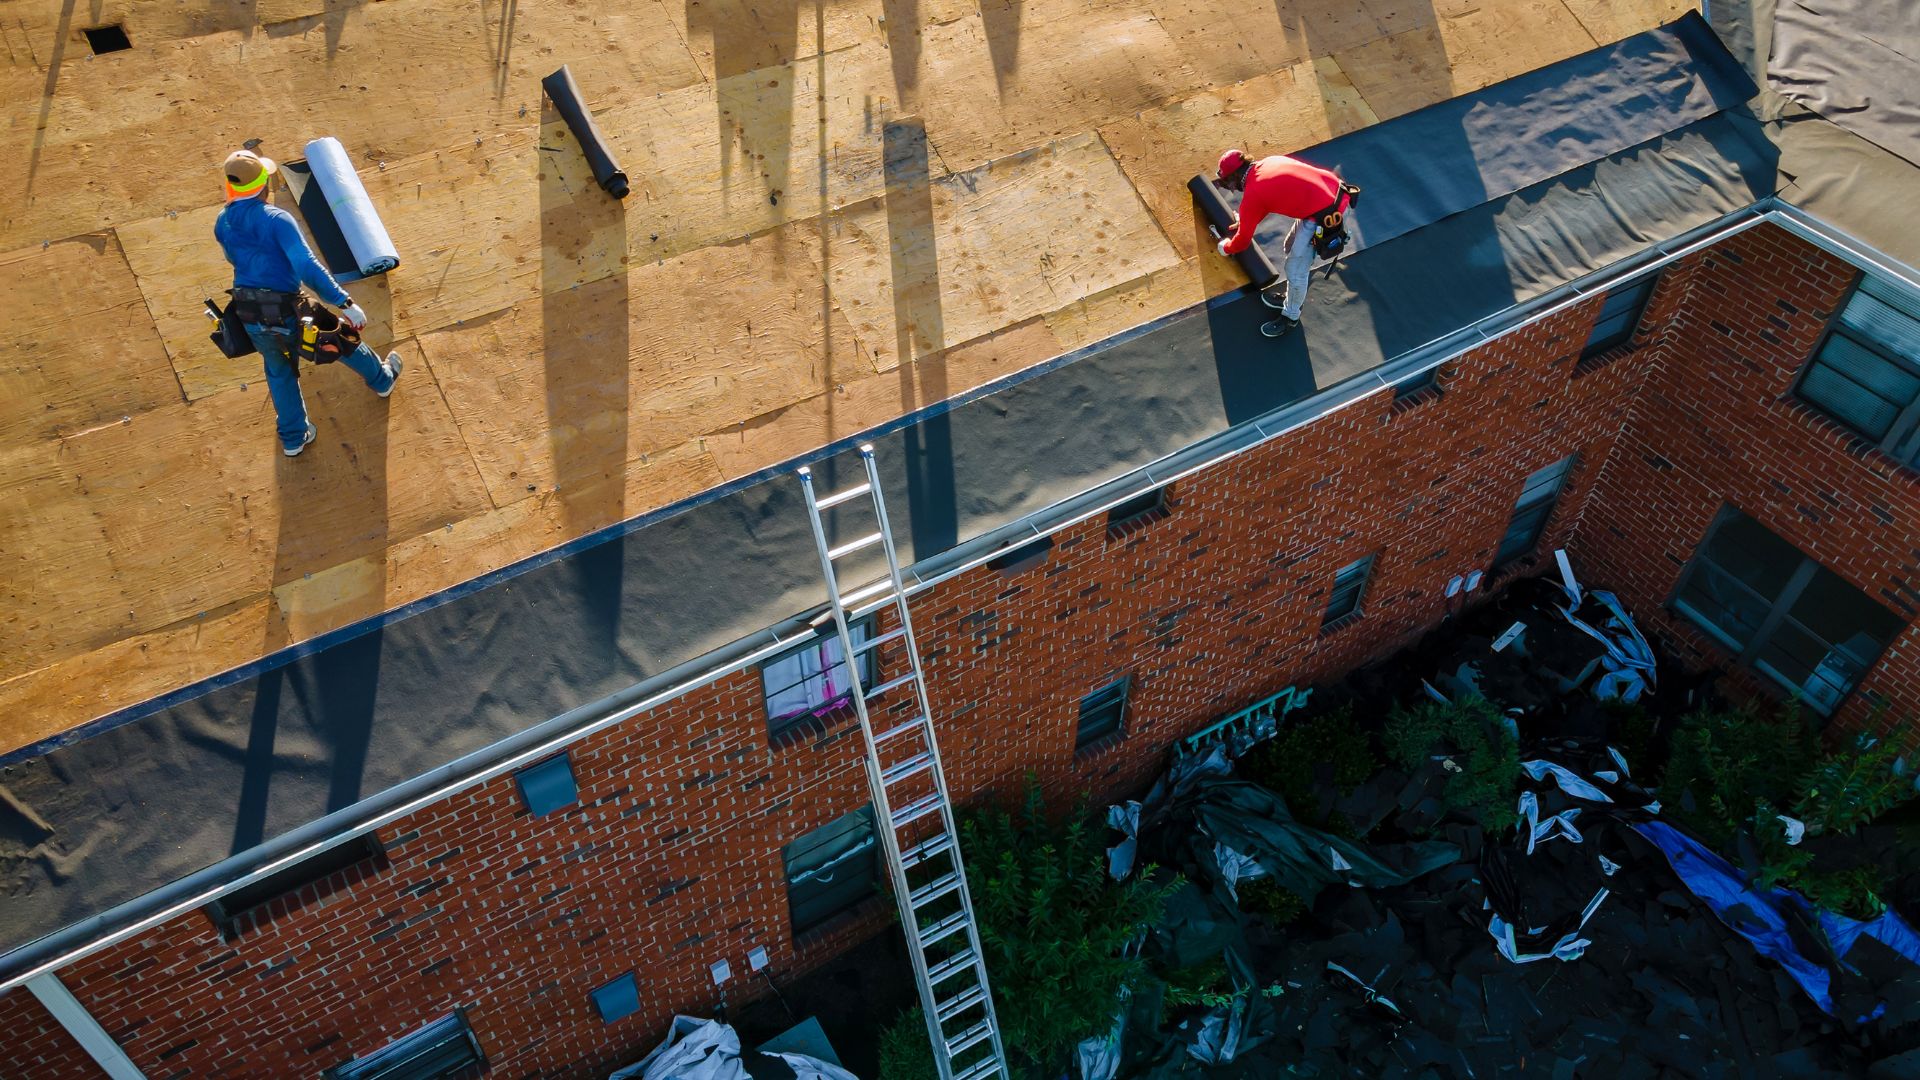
{"type": "Point", "coordinates": [247, 173]}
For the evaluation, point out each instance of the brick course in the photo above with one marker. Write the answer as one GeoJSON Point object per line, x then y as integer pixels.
{"type": "Point", "coordinates": [672, 858]}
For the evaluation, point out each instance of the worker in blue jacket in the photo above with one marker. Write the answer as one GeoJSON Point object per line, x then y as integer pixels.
{"type": "Point", "coordinates": [270, 261]}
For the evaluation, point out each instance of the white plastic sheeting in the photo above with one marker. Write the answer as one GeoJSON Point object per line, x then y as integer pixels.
{"type": "Point", "coordinates": [697, 1049]}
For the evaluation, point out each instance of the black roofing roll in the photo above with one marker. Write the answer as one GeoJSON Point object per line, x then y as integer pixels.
{"type": "Point", "coordinates": [565, 95]}
{"type": "Point", "coordinates": [1259, 268]}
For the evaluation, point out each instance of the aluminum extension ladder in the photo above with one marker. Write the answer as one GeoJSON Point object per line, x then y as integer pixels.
{"type": "Point", "coordinates": [912, 811]}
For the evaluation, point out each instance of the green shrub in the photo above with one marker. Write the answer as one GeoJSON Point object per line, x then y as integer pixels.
{"type": "Point", "coordinates": [1852, 786]}
{"type": "Point", "coordinates": [1482, 757]}
{"type": "Point", "coordinates": [1724, 763]}
{"type": "Point", "coordinates": [1271, 900]}
{"type": "Point", "coordinates": [905, 1052]}
{"type": "Point", "coordinates": [1054, 926]}
{"type": "Point", "coordinates": [1286, 764]}
{"type": "Point", "coordinates": [1856, 892]}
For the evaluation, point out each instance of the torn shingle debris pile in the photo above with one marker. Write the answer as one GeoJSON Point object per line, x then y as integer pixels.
{"type": "Point", "coordinates": [1505, 894]}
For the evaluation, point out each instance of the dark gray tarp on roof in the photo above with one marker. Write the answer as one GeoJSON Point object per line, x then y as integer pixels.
{"type": "Point", "coordinates": [168, 790]}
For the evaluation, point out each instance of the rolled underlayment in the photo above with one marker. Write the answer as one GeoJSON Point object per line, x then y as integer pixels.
{"type": "Point", "coordinates": [1259, 268]}
{"type": "Point", "coordinates": [565, 95]}
{"type": "Point", "coordinates": [367, 239]}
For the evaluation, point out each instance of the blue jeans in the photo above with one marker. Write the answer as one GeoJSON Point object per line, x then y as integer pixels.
{"type": "Point", "coordinates": [283, 386]}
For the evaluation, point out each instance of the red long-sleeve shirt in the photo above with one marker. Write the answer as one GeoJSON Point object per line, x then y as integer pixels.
{"type": "Point", "coordinates": [1281, 185]}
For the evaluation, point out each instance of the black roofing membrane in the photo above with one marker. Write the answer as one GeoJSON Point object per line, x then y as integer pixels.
{"type": "Point", "coordinates": [177, 788]}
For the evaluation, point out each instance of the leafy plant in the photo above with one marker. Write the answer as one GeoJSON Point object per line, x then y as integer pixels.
{"type": "Point", "coordinates": [1856, 892]}
{"type": "Point", "coordinates": [1481, 756]}
{"type": "Point", "coordinates": [1286, 764]}
{"type": "Point", "coordinates": [1054, 925]}
{"type": "Point", "coordinates": [1271, 900]}
{"type": "Point", "coordinates": [1724, 763]}
{"type": "Point", "coordinates": [905, 1052]}
{"type": "Point", "coordinates": [1852, 786]}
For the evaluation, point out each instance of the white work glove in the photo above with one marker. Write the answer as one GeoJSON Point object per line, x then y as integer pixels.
{"type": "Point", "coordinates": [355, 316]}
{"type": "Point", "coordinates": [1221, 247]}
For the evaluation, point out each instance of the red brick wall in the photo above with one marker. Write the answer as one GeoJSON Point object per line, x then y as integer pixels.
{"type": "Point", "coordinates": [673, 858]}
{"type": "Point", "coordinates": [1716, 423]}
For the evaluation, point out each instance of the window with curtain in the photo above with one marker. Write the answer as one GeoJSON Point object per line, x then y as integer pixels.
{"type": "Point", "coordinates": [813, 680]}
{"type": "Point", "coordinates": [1866, 373]}
{"type": "Point", "coordinates": [1531, 511]}
{"type": "Point", "coordinates": [1619, 316]}
{"type": "Point", "coordinates": [1785, 615]}
{"type": "Point", "coordinates": [831, 869]}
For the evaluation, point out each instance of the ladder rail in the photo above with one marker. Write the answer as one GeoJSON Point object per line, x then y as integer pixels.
{"type": "Point", "coordinates": [877, 777]}
{"type": "Point", "coordinates": [940, 783]}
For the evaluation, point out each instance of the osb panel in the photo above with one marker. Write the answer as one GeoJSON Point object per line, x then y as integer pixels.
{"type": "Point", "coordinates": [1230, 41]}
{"type": "Point", "coordinates": [197, 510]}
{"type": "Point", "coordinates": [50, 529]}
{"type": "Point", "coordinates": [1461, 54]}
{"type": "Point", "coordinates": [79, 150]}
{"type": "Point", "coordinates": [78, 349]}
{"type": "Point", "coordinates": [566, 390]}
{"type": "Point", "coordinates": [989, 248]}
{"type": "Point", "coordinates": [1126, 306]}
{"type": "Point", "coordinates": [1162, 148]}
{"type": "Point", "coordinates": [44, 703]}
{"type": "Point", "coordinates": [864, 403]}
{"type": "Point", "coordinates": [732, 37]}
{"type": "Point", "coordinates": [1610, 20]}
{"type": "Point", "coordinates": [155, 22]}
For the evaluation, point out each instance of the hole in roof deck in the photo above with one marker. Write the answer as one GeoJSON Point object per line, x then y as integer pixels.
{"type": "Point", "coordinates": [106, 39]}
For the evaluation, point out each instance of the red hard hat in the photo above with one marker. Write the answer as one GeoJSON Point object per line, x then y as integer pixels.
{"type": "Point", "coordinates": [1230, 163]}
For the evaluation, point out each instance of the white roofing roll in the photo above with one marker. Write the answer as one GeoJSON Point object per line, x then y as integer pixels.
{"type": "Point", "coordinates": [360, 225]}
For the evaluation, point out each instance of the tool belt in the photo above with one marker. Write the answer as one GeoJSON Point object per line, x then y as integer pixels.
{"type": "Point", "coordinates": [1330, 225]}
{"type": "Point", "coordinates": [320, 336]}
{"type": "Point", "coordinates": [263, 307]}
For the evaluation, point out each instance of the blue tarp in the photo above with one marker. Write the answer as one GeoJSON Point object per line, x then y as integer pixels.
{"type": "Point", "coordinates": [1762, 915]}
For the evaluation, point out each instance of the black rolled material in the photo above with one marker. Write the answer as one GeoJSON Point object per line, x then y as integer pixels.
{"type": "Point", "coordinates": [1259, 268]}
{"type": "Point", "coordinates": [565, 95]}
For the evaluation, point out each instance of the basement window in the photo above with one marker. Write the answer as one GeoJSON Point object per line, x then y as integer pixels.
{"type": "Point", "coordinates": [1349, 586]}
{"type": "Point", "coordinates": [1783, 614]}
{"type": "Point", "coordinates": [1531, 512]}
{"type": "Point", "coordinates": [831, 869]}
{"type": "Point", "coordinates": [289, 889]}
{"type": "Point", "coordinates": [547, 786]}
{"type": "Point", "coordinates": [618, 999]}
{"type": "Point", "coordinates": [443, 1050]}
{"type": "Point", "coordinates": [106, 39]}
{"type": "Point", "coordinates": [1102, 713]}
{"type": "Point", "coordinates": [1619, 317]}
{"type": "Point", "coordinates": [1022, 558]}
{"type": "Point", "coordinates": [1866, 372]}
{"type": "Point", "coordinates": [813, 682]}
{"type": "Point", "coordinates": [1137, 511]}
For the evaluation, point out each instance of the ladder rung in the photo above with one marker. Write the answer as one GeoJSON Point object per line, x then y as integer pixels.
{"type": "Point", "coordinates": [892, 684]}
{"type": "Point", "coordinates": [916, 810]}
{"type": "Point", "coordinates": [936, 932]}
{"type": "Point", "coordinates": [953, 1007]}
{"type": "Point", "coordinates": [913, 766]}
{"type": "Point", "coordinates": [970, 1038]}
{"type": "Point", "coordinates": [927, 894]}
{"type": "Point", "coordinates": [899, 729]}
{"type": "Point", "coordinates": [866, 592]}
{"type": "Point", "coordinates": [873, 643]}
{"type": "Point", "coordinates": [927, 849]}
{"type": "Point", "coordinates": [855, 545]}
{"type": "Point", "coordinates": [951, 966]}
{"type": "Point", "coordinates": [839, 497]}
{"type": "Point", "coordinates": [980, 1070]}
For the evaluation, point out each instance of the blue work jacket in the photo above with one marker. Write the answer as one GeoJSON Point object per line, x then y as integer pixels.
{"type": "Point", "coordinates": [267, 251]}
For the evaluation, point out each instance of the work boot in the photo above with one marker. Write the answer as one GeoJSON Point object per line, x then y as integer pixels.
{"type": "Point", "coordinates": [1274, 296]}
{"type": "Point", "coordinates": [294, 451]}
{"type": "Point", "coordinates": [1280, 327]}
{"type": "Point", "coordinates": [392, 367]}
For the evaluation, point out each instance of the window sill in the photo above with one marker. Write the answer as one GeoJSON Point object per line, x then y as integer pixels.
{"type": "Point", "coordinates": [1334, 626]}
{"type": "Point", "coordinates": [1405, 403]}
{"type": "Point", "coordinates": [244, 923]}
{"type": "Point", "coordinates": [810, 728]}
{"type": "Point", "coordinates": [1099, 747]}
{"type": "Point", "coordinates": [1593, 362]}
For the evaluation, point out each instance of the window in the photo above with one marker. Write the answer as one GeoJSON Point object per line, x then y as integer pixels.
{"type": "Point", "coordinates": [1531, 511]}
{"type": "Point", "coordinates": [1138, 510]}
{"type": "Point", "coordinates": [443, 1050]}
{"type": "Point", "coordinates": [234, 912]}
{"type": "Point", "coordinates": [547, 786]}
{"type": "Point", "coordinates": [1101, 713]}
{"type": "Point", "coordinates": [1786, 616]}
{"type": "Point", "coordinates": [618, 999]}
{"type": "Point", "coordinates": [1619, 316]}
{"type": "Point", "coordinates": [1025, 557]}
{"type": "Point", "coordinates": [1866, 373]}
{"type": "Point", "coordinates": [1349, 585]}
{"type": "Point", "coordinates": [831, 869]}
{"type": "Point", "coordinates": [813, 681]}
{"type": "Point", "coordinates": [1417, 385]}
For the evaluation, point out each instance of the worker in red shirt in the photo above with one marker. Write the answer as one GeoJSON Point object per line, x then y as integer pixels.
{"type": "Point", "coordinates": [1316, 199]}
